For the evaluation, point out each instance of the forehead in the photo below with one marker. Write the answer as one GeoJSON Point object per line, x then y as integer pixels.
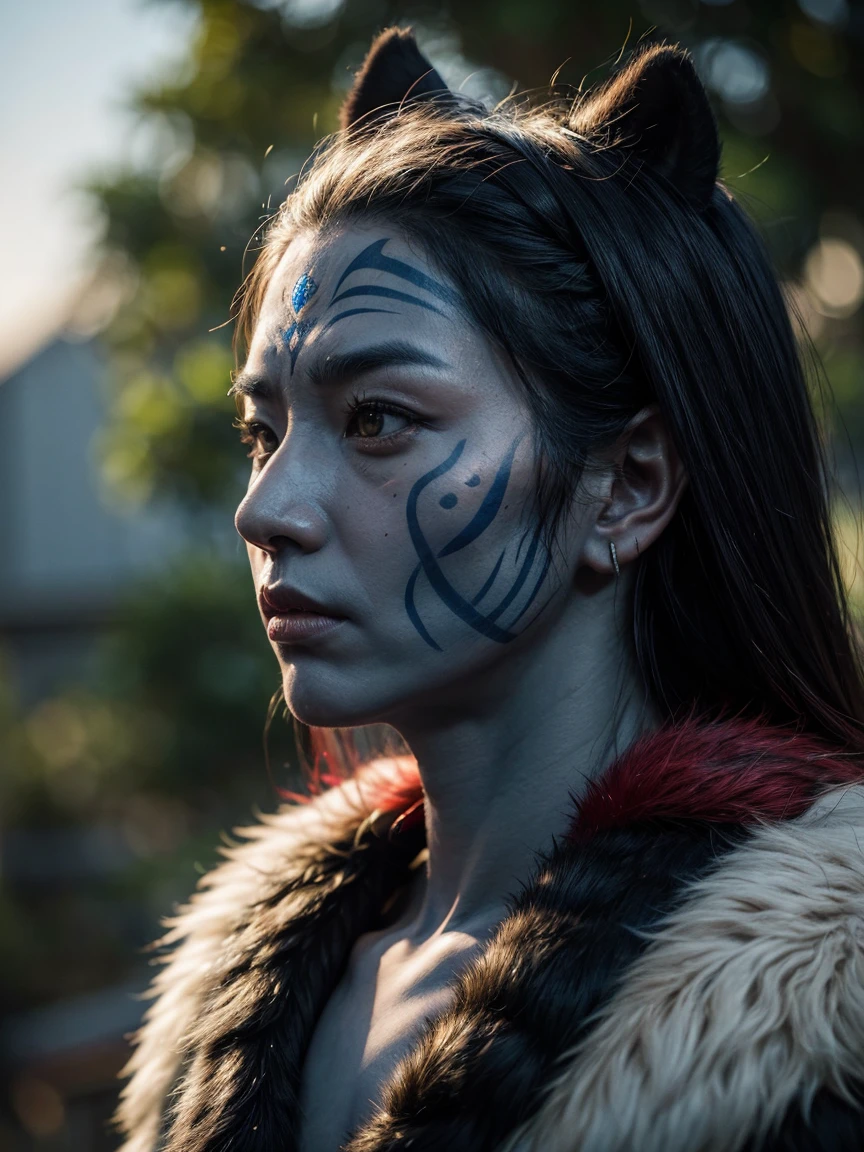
{"type": "Point", "coordinates": [349, 283]}
{"type": "Point", "coordinates": [374, 254]}
{"type": "Point", "coordinates": [380, 253]}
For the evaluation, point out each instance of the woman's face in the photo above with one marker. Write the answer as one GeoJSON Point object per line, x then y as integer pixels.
{"type": "Point", "coordinates": [389, 517]}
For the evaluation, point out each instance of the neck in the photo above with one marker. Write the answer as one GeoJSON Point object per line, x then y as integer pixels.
{"type": "Point", "coordinates": [500, 782]}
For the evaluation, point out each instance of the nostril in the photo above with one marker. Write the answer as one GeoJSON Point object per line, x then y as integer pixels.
{"type": "Point", "coordinates": [278, 543]}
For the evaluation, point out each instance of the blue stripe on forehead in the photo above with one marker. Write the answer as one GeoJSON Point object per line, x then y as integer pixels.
{"type": "Point", "coordinates": [356, 312]}
{"type": "Point", "coordinates": [294, 336]}
{"type": "Point", "coordinates": [389, 293]}
{"type": "Point", "coordinates": [372, 257]}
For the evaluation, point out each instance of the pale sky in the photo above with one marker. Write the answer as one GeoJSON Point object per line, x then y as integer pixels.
{"type": "Point", "coordinates": [65, 68]}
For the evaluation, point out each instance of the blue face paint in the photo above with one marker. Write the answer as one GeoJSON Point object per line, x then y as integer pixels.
{"type": "Point", "coordinates": [488, 510]}
{"type": "Point", "coordinates": [473, 482]}
{"type": "Point", "coordinates": [295, 334]}
{"type": "Point", "coordinates": [490, 579]}
{"type": "Point", "coordinates": [357, 312]}
{"type": "Point", "coordinates": [522, 576]}
{"type": "Point", "coordinates": [467, 611]}
{"type": "Point", "coordinates": [537, 584]}
{"type": "Point", "coordinates": [304, 290]}
{"type": "Point", "coordinates": [372, 257]}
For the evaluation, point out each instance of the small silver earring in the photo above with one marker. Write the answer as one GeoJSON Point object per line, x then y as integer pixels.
{"type": "Point", "coordinates": [614, 553]}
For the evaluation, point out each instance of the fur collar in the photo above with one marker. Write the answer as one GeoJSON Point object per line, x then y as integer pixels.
{"type": "Point", "coordinates": [682, 969]}
{"type": "Point", "coordinates": [748, 1001]}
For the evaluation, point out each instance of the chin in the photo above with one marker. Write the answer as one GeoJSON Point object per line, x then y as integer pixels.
{"type": "Point", "coordinates": [320, 699]}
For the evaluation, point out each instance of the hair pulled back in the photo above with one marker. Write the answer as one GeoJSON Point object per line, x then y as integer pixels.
{"type": "Point", "coordinates": [591, 240]}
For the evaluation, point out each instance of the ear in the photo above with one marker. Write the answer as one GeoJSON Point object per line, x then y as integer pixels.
{"type": "Point", "coordinates": [658, 108]}
{"type": "Point", "coordinates": [394, 70]}
{"type": "Point", "coordinates": [639, 486]}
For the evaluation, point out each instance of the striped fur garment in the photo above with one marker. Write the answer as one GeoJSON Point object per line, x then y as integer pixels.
{"type": "Point", "coordinates": [683, 973]}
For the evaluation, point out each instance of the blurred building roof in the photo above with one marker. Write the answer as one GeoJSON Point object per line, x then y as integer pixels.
{"type": "Point", "coordinates": [66, 553]}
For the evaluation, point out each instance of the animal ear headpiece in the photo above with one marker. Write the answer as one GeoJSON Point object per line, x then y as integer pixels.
{"type": "Point", "coordinates": [655, 108]}
{"type": "Point", "coordinates": [394, 71]}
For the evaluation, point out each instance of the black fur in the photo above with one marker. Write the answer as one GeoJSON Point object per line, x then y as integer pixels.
{"type": "Point", "coordinates": [833, 1125]}
{"type": "Point", "coordinates": [394, 70]}
{"type": "Point", "coordinates": [657, 108]}
{"type": "Point", "coordinates": [567, 941]}
{"type": "Point", "coordinates": [240, 1088]}
{"type": "Point", "coordinates": [569, 938]}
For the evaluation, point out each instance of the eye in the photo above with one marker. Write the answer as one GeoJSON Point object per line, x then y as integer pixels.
{"type": "Point", "coordinates": [375, 420]}
{"type": "Point", "coordinates": [261, 439]}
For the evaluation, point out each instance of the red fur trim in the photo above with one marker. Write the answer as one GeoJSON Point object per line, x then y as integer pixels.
{"type": "Point", "coordinates": [725, 772]}
{"type": "Point", "coordinates": [390, 784]}
{"type": "Point", "coordinates": [730, 771]}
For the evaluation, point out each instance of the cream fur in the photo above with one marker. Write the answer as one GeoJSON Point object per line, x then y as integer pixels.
{"type": "Point", "coordinates": [275, 850]}
{"type": "Point", "coordinates": [750, 997]}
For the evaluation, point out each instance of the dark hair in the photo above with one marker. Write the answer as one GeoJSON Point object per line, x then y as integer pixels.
{"type": "Point", "coordinates": [592, 241]}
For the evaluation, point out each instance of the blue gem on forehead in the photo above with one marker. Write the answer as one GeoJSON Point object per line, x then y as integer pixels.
{"type": "Point", "coordinates": [304, 290]}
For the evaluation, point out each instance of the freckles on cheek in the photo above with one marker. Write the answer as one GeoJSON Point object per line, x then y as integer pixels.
{"type": "Point", "coordinates": [462, 535]}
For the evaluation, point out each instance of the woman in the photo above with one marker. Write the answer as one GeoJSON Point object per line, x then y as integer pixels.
{"type": "Point", "coordinates": [536, 482]}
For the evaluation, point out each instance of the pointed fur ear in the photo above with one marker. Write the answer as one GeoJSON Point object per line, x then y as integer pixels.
{"type": "Point", "coordinates": [658, 107]}
{"type": "Point", "coordinates": [394, 70]}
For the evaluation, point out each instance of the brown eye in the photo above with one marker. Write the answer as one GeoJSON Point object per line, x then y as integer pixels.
{"type": "Point", "coordinates": [374, 421]}
{"type": "Point", "coordinates": [369, 422]}
{"type": "Point", "coordinates": [260, 439]}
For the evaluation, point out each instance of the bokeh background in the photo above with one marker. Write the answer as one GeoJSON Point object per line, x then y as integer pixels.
{"type": "Point", "coordinates": [143, 145]}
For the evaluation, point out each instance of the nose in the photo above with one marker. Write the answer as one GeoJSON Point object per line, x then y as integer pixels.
{"type": "Point", "coordinates": [278, 513]}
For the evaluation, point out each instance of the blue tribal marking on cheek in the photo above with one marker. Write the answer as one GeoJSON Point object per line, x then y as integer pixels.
{"type": "Point", "coordinates": [295, 334]}
{"type": "Point", "coordinates": [484, 623]}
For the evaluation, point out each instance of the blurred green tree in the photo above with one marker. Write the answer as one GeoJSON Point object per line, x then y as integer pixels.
{"type": "Point", "coordinates": [263, 79]}
{"type": "Point", "coordinates": [179, 710]}
{"type": "Point", "coordinates": [164, 744]}
{"type": "Point", "coordinates": [175, 720]}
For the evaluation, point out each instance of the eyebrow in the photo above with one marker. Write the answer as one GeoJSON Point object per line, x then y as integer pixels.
{"type": "Point", "coordinates": [341, 366]}
{"type": "Point", "coordinates": [251, 384]}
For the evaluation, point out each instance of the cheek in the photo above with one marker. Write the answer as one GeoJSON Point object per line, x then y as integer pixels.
{"type": "Point", "coordinates": [463, 547]}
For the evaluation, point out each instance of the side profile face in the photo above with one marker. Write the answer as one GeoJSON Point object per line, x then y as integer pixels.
{"type": "Point", "coordinates": [389, 517]}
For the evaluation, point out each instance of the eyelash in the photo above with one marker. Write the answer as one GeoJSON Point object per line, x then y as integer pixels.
{"type": "Point", "coordinates": [360, 403]}
{"type": "Point", "coordinates": [251, 433]}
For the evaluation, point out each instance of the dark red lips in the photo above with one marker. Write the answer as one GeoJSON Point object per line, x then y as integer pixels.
{"type": "Point", "coordinates": [293, 617]}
